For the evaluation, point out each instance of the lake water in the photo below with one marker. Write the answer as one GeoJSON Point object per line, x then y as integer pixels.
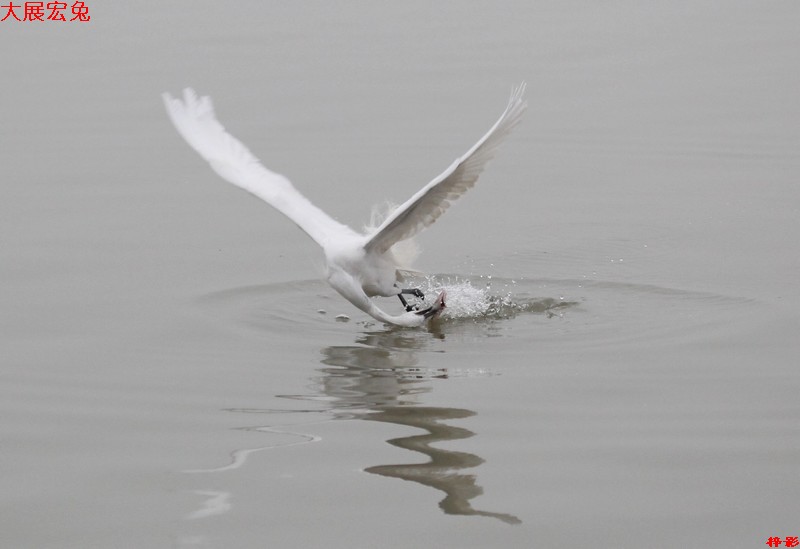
{"type": "Point", "coordinates": [618, 366]}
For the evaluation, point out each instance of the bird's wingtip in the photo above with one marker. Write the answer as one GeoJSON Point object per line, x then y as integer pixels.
{"type": "Point", "coordinates": [168, 99]}
{"type": "Point", "coordinates": [518, 91]}
{"type": "Point", "coordinates": [189, 95]}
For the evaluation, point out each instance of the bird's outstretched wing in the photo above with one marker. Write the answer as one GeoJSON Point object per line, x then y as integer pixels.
{"type": "Point", "coordinates": [194, 119]}
{"type": "Point", "coordinates": [433, 199]}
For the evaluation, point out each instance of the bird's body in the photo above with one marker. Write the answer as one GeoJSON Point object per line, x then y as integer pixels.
{"type": "Point", "coordinates": [358, 266]}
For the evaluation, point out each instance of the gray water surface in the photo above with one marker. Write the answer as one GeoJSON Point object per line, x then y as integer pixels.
{"type": "Point", "coordinates": [618, 366]}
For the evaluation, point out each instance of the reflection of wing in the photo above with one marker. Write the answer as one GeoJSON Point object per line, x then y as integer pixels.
{"type": "Point", "coordinates": [431, 201]}
{"type": "Point", "coordinates": [194, 119]}
{"type": "Point", "coordinates": [441, 471]}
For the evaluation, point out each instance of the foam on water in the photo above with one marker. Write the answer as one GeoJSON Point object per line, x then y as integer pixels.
{"type": "Point", "coordinates": [469, 300]}
{"type": "Point", "coordinates": [587, 313]}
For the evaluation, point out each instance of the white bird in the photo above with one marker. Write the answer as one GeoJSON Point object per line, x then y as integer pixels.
{"type": "Point", "coordinates": [358, 266]}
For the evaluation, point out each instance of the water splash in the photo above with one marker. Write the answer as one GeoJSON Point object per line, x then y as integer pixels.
{"type": "Point", "coordinates": [481, 300]}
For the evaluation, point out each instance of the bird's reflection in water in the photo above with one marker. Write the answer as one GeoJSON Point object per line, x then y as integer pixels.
{"type": "Point", "coordinates": [441, 472]}
{"type": "Point", "coordinates": [382, 378]}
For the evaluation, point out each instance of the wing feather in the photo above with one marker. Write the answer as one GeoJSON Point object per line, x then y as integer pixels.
{"type": "Point", "coordinates": [425, 207]}
{"type": "Point", "coordinates": [195, 121]}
